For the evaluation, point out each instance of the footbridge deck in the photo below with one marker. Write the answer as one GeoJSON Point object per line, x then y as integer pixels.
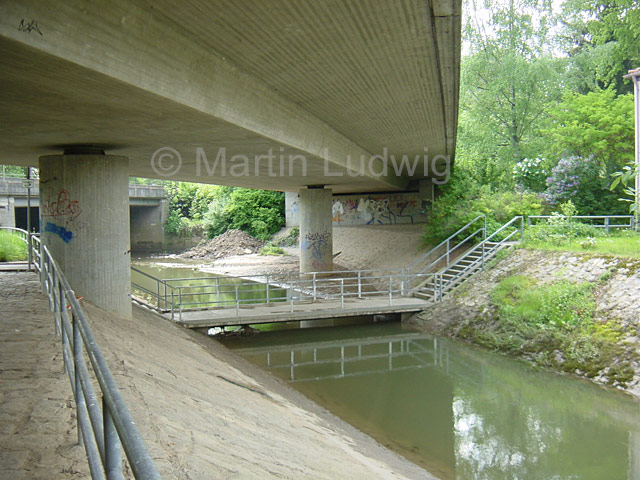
{"type": "Point", "coordinates": [282, 312]}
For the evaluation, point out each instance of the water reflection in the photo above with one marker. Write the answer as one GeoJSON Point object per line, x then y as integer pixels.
{"type": "Point", "coordinates": [200, 289]}
{"type": "Point", "coordinates": [458, 411]}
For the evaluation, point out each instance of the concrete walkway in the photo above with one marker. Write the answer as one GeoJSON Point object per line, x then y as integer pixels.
{"type": "Point", "coordinates": [38, 438]}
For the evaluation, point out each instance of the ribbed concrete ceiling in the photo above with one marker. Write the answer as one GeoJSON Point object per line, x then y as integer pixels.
{"type": "Point", "coordinates": [345, 77]}
{"type": "Point", "coordinates": [369, 68]}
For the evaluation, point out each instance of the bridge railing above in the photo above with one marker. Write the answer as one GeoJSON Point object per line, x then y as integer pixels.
{"type": "Point", "coordinates": [105, 425]}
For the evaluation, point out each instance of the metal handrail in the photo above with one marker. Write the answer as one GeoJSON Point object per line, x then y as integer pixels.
{"type": "Point", "coordinates": [450, 238]}
{"type": "Point", "coordinates": [104, 427]}
{"type": "Point", "coordinates": [607, 225]}
{"type": "Point", "coordinates": [443, 280]}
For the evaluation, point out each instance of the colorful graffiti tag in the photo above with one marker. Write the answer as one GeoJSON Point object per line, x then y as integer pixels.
{"type": "Point", "coordinates": [61, 205]}
{"type": "Point", "coordinates": [378, 210]}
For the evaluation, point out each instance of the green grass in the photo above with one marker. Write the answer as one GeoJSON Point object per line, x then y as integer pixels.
{"type": "Point", "coordinates": [554, 326]}
{"type": "Point", "coordinates": [12, 247]}
{"type": "Point", "coordinates": [624, 244]}
{"type": "Point", "coordinates": [270, 249]}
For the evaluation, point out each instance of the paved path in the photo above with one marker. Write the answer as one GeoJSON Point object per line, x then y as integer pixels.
{"type": "Point", "coordinates": [282, 312]}
{"type": "Point", "coordinates": [37, 418]}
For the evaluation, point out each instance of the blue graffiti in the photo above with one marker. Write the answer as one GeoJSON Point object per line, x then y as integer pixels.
{"type": "Point", "coordinates": [62, 232]}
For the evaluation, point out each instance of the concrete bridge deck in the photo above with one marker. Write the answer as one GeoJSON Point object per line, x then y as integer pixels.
{"type": "Point", "coordinates": [308, 311]}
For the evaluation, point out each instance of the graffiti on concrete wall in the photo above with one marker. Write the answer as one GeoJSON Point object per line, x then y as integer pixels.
{"type": "Point", "coordinates": [62, 232]}
{"type": "Point", "coordinates": [60, 205]}
{"type": "Point", "coordinates": [317, 243]}
{"type": "Point", "coordinates": [380, 209]}
{"type": "Point", "coordinates": [61, 208]}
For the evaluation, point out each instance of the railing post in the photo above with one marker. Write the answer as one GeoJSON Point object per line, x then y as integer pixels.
{"type": "Point", "coordinates": [267, 294]}
{"type": "Point", "coordinates": [237, 301]}
{"type": "Point", "coordinates": [402, 280]}
{"type": "Point", "coordinates": [29, 250]}
{"type": "Point", "coordinates": [112, 450]}
{"type": "Point", "coordinates": [342, 294]}
{"type": "Point", "coordinates": [606, 224]}
{"type": "Point", "coordinates": [359, 284]}
{"type": "Point", "coordinates": [448, 250]}
{"type": "Point", "coordinates": [482, 257]}
{"type": "Point", "coordinates": [521, 228]}
{"type": "Point", "coordinates": [291, 295]}
{"type": "Point", "coordinates": [180, 302]}
{"type": "Point", "coordinates": [77, 353]}
{"type": "Point", "coordinates": [390, 291]}
{"type": "Point", "coordinates": [315, 290]}
{"type": "Point", "coordinates": [218, 291]}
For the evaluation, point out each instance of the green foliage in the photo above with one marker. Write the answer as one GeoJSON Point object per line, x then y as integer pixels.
{"type": "Point", "coordinates": [531, 174]}
{"type": "Point", "coordinates": [558, 305]}
{"type": "Point", "coordinates": [624, 178]}
{"type": "Point", "coordinates": [260, 213]}
{"type": "Point", "coordinates": [612, 27]}
{"type": "Point", "coordinates": [270, 249]}
{"type": "Point", "coordinates": [463, 199]}
{"type": "Point", "coordinates": [508, 79]}
{"type": "Point", "coordinates": [291, 240]}
{"type": "Point", "coordinates": [623, 243]}
{"type": "Point", "coordinates": [554, 326]}
{"type": "Point", "coordinates": [12, 247]}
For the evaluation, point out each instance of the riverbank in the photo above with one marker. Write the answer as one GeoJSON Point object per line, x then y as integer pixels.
{"type": "Point", "coordinates": [206, 413]}
{"type": "Point", "coordinates": [380, 247]}
{"type": "Point", "coordinates": [595, 333]}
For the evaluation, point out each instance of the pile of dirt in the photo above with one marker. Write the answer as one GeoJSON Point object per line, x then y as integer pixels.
{"type": "Point", "coordinates": [231, 242]}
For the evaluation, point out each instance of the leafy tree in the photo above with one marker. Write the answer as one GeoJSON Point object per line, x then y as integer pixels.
{"type": "Point", "coordinates": [599, 124]}
{"type": "Point", "coordinates": [508, 81]}
{"type": "Point", "coordinates": [601, 38]}
{"type": "Point", "coordinates": [260, 213]}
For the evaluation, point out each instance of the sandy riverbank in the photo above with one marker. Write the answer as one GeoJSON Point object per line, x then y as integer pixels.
{"type": "Point", "coordinates": [206, 413]}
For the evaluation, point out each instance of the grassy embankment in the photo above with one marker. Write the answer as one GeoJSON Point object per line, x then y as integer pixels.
{"type": "Point", "coordinates": [12, 247]}
{"type": "Point", "coordinates": [555, 325]}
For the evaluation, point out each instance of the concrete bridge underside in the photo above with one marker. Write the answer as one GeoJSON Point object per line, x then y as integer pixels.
{"type": "Point", "coordinates": [326, 81]}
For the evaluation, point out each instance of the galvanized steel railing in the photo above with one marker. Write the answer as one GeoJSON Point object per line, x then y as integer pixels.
{"type": "Point", "coordinates": [105, 425]}
{"type": "Point", "coordinates": [179, 295]}
{"type": "Point", "coordinates": [606, 221]}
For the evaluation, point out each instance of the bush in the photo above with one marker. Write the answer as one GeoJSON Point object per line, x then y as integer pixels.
{"type": "Point", "coordinates": [260, 213]}
{"type": "Point", "coordinates": [12, 247]}
{"type": "Point", "coordinates": [291, 240]}
{"type": "Point", "coordinates": [270, 249]}
{"type": "Point", "coordinates": [582, 181]}
{"type": "Point", "coordinates": [463, 200]}
{"type": "Point", "coordinates": [561, 227]}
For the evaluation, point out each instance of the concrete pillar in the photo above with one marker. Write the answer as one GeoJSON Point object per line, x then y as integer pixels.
{"type": "Point", "coordinates": [316, 230]}
{"type": "Point", "coordinates": [84, 199]}
{"type": "Point", "coordinates": [7, 212]}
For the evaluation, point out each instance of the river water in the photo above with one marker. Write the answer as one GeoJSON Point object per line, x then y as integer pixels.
{"type": "Point", "coordinates": [460, 412]}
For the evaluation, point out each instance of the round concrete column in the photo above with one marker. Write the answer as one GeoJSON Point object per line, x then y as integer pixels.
{"type": "Point", "coordinates": [84, 204]}
{"type": "Point", "coordinates": [316, 230]}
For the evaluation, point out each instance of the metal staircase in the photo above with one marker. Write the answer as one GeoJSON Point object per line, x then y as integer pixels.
{"type": "Point", "coordinates": [474, 259]}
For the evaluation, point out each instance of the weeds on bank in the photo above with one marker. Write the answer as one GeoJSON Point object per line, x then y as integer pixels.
{"type": "Point", "coordinates": [554, 326]}
{"type": "Point", "coordinates": [562, 232]}
{"type": "Point", "coordinates": [270, 249]}
{"type": "Point", "coordinates": [12, 247]}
